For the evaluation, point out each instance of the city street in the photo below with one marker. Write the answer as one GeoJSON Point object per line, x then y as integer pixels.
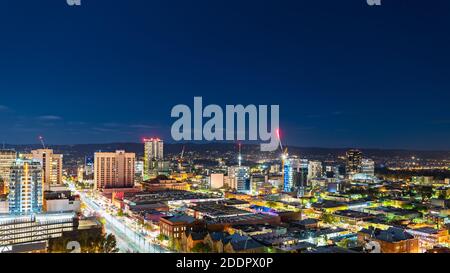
{"type": "Point", "coordinates": [128, 239]}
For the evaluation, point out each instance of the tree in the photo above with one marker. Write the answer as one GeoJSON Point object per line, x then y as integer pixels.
{"type": "Point", "coordinates": [201, 248]}
{"type": "Point", "coordinates": [109, 244]}
{"type": "Point", "coordinates": [120, 213]}
{"type": "Point", "coordinates": [161, 237]}
{"type": "Point", "coordinates": [175, 244]}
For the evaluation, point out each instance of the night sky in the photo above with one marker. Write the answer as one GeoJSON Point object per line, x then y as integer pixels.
{"type": "Point", "coordinates": [344, 74]}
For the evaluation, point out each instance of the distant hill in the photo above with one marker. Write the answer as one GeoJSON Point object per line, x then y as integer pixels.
{"type": "Point", "coordinates": [80, 150]}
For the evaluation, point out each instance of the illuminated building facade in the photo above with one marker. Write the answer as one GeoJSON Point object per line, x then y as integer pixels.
{"type": "Point", "coordinates": [301, 176]}
{"type": "Point", "coordinates": [217, 180]}
{"type": "Point", "coordinates": [25, 187]}
{"type": "Point", "coordinates": [153, 154]}
{"type": "Point", "coordinates": [354, 162]}
{"type": "Point", "coordinates": [368, 167]}
{"type": "Point", "coordinates": [89, 165]}
{"type": "Point", "coordinates": [80, 174]}
{"type": "Point", "coordinates": [7, 159]}
{"type": "Point", "coordinates": [32, 232]}
{"type": "Point", "coordinates": [239, 178]}
{"type": "Point", "coordinates": [314, 169]}
{"type": "Point", "coordinates": [114, 170]}
{"type": "Point", "coordinates": [288, 175]}
{"type": "Point", "coordinates": [52, 166]}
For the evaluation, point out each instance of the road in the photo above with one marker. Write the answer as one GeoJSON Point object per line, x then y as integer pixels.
{"type": "Point", "coordinates": [128, 239]}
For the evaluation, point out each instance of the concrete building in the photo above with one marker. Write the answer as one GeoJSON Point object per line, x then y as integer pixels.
{"type": "Point", "coordinates": [7, 158]}
{"type": "Point", "coordinates": [239, 178]}
{"type": "Point", "coordinates": [52, 166]}
{"type": "Point", "coordinates": [314, 169]}
{"type": "Point", "coordinates": [80, 174]}
{"type": "Point", "coordinates": [61, 201]}
{"type": "Point", "coordinates": [153, 154]}
{"type": "Point", "coordinates": [368, 167]}
{"type": "Point", "coordinates": [354, 162]}
{"type": "Point", "coordinates": [114, 170]}
{"type": "Point", "coordinates": [217, 180]}
{"type": "Point", "coordinates": [27, 233]}
{"type": "Point", "coordinates": [89, 165]}
{"type": "Point", "coordinates": [4, 205]}
{"type": "Point", "coordinates": [25, 187]}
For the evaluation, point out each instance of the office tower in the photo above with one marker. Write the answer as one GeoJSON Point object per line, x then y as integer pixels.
{"type": "Point", "coordinates": [216, 180]}
{"type": "Point", "coordinates": [354, 162]}
{"type": "Point", "coordinates": [332, 172]}
{"type": "Point", "coordinates": [114, 170]}
{"type": "Point", "coordinates": [288, 175]}
{"type": "Point", "coordinates": [26, 187]}
{"type": "Point", "coordinates": [239, 178]}
{"type": "Point", "coordinates": [153, 153]}
{"type": "Point", "coordinates": [7, 158]}
{"type": "Point", "coordinates": [314, 169]}
{"type": "Point", "coordinates": [258, 184]}
{"type": "Point", "coordinates": [163, 168]}
{"type": "Point", "coordinates": [89, 165]}
{"type": "Point", "coordinates": [80, 174]}
{"type": "Point", "coordinates": [368, 167]}
{"type": "Point", "coordinates": [139, 168]}
{"type": "Point", "coordinates": [52, 165]}
{"type": "Point", "coordinates": [291, 166]}
{"type": "Point", "coordinates": [301, 176]}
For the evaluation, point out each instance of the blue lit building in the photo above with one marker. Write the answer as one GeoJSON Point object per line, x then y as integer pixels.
{"type": "Point", "coordinates": [25, 188]}
{"type": "Point", "coordinates": [288, 175]}
{"type": "Point", "coordinates": [240, 178]}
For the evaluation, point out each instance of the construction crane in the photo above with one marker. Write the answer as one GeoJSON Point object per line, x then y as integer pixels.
{"type": "Point", "coordinates": [41, 139]}
{"type": "Point", "coordinates": [284, 152]}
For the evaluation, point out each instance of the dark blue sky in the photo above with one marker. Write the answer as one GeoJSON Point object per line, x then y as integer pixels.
{"type": "Point", "coordinates": [344, 74]}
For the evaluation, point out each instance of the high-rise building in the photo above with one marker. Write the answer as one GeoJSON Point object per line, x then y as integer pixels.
{"type": "Point", "coordinates": [153, 154]}
{"type": "Point", "coordinates": [354, 162]}
{"type": "Point", "coordinates": [216, 180]}
{"type": "Point", "coordinates": [114, 170]}
{"type": "Point", "coordinates": [368, 167]}
{"type": "Point", "coordinates": [80, 174]}
{"type": "Point", "coordinates": [259, 184]}
{"type": "Point", "coordinates": [7, 159]}
{"type": "Point", "coordinates": [239, 178]}
{"type": "Point", "coordinates": [314, 169]}
{"type": "Point", "coordinates": [52, 166]}
{"type": "Point", "coordinates": [332, 172]}
{"type": "Point", "coordinates": [89, 165]}
{"type": "Point", "coordinates": [292, 165]}
{"type": "Point", "coordinates": [139, 168]}
{"type": "Point", "coordinates": [301, 176]}
{"type": "Point", "coordinates": [288, 175]}
{"type": "Point", "coordinates": [25, 187]}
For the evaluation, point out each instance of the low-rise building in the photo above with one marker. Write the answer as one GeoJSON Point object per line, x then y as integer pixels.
{"type": "Point", "coordinates": [392, 240]}
{"type": "Point", "coordinates": [61, 201]}
{"type": "Point", "coordinates": [430, 237]}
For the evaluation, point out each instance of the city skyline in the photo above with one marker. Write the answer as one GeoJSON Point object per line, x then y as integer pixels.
{"type": "Point", "coordinates": [345, 74]}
